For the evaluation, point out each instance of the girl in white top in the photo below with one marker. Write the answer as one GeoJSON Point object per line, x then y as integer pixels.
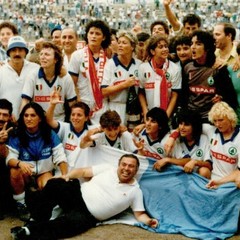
{"type": "Point", "coordinates": [191, 150]}
{"type": "Point", "coordinates": [120, 73]}
{"type": "Point", "coordinates": [224, 148]}
{"type": "Point", "coordinates": [160, 78]}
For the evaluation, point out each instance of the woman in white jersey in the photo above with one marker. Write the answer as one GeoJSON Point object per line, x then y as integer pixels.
{"type": "Point", "coordinates": [120, 73]}
{"type": "Point", "coordinates": [225, 147]}
{"type": "Point", "coordinates": [160, 79]}
{"type": "Point", "coordinates": [191, 150]}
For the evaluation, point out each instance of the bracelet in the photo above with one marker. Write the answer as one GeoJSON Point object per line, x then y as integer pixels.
{"type": "Point", "coordinates": [17, 166]}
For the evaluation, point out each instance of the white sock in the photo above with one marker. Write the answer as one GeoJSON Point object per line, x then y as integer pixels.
{"type": "Point", "coordinates": [26, 230]}
{"type": "Point", "coordinates": [19, 197]}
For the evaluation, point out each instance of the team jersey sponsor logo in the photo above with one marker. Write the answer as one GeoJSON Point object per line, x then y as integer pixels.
{"type": "Point", "coordinates": [42, 98]}
{"type": "Point", "coordinates": [167, 74]}
{"type": "Point", "coordinates": [202, 90]}
{"type": "Point", "coordinates": [136, 73]}
{"type": "Point", "coordinates": [199, 153]}
{"type": "Point", "coordinates": [210, 80]}
{"type": "Point", "coordinates": [149, 85]}
{"type": "Point", "coordinates": [70, 147]}
{"type": "Point", "coordinates": [232, 151]}
{"type": "Point", "coordinates": [222, 157]}
{"type": "Point", "coordinates": [160, 150]}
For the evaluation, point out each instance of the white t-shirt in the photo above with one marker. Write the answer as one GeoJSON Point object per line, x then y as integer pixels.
{"type": "Point", "coordinates": [224, 154]}
{"type": "Point", "coordinates": [106, 197]}
{"type": "Point", "coordinates": [11, 84]}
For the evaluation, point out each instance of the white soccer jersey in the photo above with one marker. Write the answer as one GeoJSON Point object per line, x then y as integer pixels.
{"type": "Point", "coordinates": [199, 151]}
{"type": "Point", "coordinates": [71, 142]}
{"type": "Point", "coordinates": [76, 67]}
{"type": "Point", "coordinates": [115, 73]}
{"type": "Point", "coordinates": [39, 90]}
{"type": "Point", "coordinates": [225, 155]}
{"type": "Point", "coordinates": [153, 149]}
{"type": "Point", "coordinates": [149, 80]}
{"type": "Point", "coordinates": [11, 84]}
{"type": "Point", "coordinates": [124, 142]}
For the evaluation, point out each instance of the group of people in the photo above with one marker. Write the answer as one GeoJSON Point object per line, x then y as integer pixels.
{"type": "Point", "coordinates": [58, 102]}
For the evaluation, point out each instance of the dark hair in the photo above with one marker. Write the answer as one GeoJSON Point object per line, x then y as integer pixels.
{"type": "Point", "coordinates": [83, 106]}
{"type": "Point", "coordinates": [182, 40]}
{"type": "Point", "coordinates": [44, 128]}
{"type": "Point", "coordinates": [104, 28]}
{"type": "Point", "coordinates": [5, 104]}
{"type": "Point", "coordinates": [57, 55]}
{"type": "Point", "coordinates": [160, 116]}
{"type": "Point", "coordinates": [129, 155]}
{"type": "Point", "coordinates": [192, 19]}
{"type": "Point", "coordinates": [57, 28]}
{"type": "Point", "coordinates": [228, 28]}
{"type": "Point", "coordinates": [9, 25]}
{"type": "Point", "coordinates": [192, 118]}
{"type": "Point", "coordinates": [162, 23]}
{"type": "Point", "coordinates": [110, 118]}
{"type": "Point", "coordinates": [113, 31]}
{"type": "Point", "coordinates": [238, 48]}
{"type": "Point", "coordinates": [153, 42]}
{"type": "Point", "coordinates": [143, 36]}
{"type": "Point", "coordinates": [209, 45]}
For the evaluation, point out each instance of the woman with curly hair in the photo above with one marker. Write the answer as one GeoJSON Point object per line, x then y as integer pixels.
{"type": "Point", "coordinates": [40, 85]}
{"type": "Point", "coordinates": [206, 84]}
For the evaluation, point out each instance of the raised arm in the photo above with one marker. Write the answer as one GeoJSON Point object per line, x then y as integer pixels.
{"type": "Point", "coordinates": [54, 100]}
{"type": "Point", "coordinates": [171, 16]}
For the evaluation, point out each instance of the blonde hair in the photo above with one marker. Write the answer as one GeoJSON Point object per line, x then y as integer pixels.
{"type": "Point", "coordinates": [222, 109]}
{"type": "Point", "coordinates": [130, 36]}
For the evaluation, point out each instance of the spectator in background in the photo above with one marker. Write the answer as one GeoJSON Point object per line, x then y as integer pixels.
{"type": "Point", "coordinates": [159, 28]}
{"type": "Point", "coordinates": [7, 30]}
{"type": "Point", "coordinates": [191, 22]}
{"type": "Point", "coordinates": [56, 36]}
{"type": "Point", "coordinates": [142, 38]}
{"type": "Point", "coordinates": [235, 76]}
{"type": "Point", "coordinates": [224, 35]}
{"type": "Point", "coordinates": [112, 49]}
{"type": "Point", "coordinates": [69, 40]}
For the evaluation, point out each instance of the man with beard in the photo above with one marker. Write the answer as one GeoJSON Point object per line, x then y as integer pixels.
{"type": "Point", "coordinates": [14, 72]}
{"type": "Point", "coordinates": [6, 200]}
